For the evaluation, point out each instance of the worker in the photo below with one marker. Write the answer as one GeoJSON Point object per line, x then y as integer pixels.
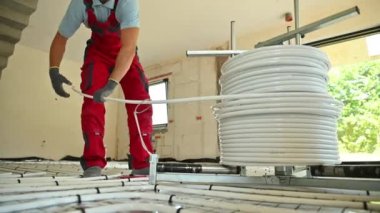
{"type": "Point", "coordinates": [110, 59]}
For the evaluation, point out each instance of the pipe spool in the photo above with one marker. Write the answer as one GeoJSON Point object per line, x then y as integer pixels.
{"type": "Point", "coordinates": [292, 123]}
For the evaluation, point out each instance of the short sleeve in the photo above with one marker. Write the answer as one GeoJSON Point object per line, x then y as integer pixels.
{"type": "Point", "coordinates": [73, 18]}
{"type": "Point", "coordinates": [128, 14]}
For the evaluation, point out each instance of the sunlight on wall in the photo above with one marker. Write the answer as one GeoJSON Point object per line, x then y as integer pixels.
{"type": "Point", "coordinates": [373, 45]}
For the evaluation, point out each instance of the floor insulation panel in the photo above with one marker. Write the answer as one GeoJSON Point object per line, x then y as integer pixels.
{"type": "Point", "coordinates": [49, 186]}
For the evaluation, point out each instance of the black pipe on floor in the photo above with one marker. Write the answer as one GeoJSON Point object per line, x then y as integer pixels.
{"type": "Point", "coordinates": [196, 168]}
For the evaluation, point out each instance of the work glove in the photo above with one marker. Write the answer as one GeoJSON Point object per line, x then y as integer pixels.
{"type": "Point", "coordinates": [101, 94]}
{"type": "Point", "coordinates": [57, 80]}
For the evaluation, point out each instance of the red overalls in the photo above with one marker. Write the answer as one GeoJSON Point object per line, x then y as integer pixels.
{"type": "Point", "coordinates": [99, 61]}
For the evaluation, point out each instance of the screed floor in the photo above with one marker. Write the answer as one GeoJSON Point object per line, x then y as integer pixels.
{"type": "Point", "coordinates": [49, 186]}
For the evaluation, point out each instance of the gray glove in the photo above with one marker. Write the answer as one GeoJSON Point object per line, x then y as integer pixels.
{"type": "Point", "coordinates": [100, 94]}
{"type": "Point", "coordinates": [57, 80]}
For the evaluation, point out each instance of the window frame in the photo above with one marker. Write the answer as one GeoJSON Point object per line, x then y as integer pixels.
{"type": "Point", "coordinates": [162, 126]}
{"type": "Point", "coordinates": [345, 38]}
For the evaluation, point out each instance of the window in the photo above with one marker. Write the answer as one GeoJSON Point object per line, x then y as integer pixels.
{"type": "Point", "coordinates": [158, 91]}
{"type": "Point", "coordinates": [354, 80]}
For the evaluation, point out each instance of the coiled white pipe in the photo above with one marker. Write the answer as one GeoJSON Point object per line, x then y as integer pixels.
{"type": "Point", "coordinates": [293, 123]}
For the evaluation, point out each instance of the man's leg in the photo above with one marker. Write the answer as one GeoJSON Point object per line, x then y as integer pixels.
{"type": "Point", "coordinates": [135, 86]}
{"type": "Point", "coordinates": [94, 76]}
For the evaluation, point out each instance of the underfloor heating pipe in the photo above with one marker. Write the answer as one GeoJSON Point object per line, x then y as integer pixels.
{"type": "Point", "coordinates": [165, 193]}
{"type": "Point", "coordinates": [63, 193]}
{"type": "Point", "coordinates": [137, 207]}
{"type": "Point", "coordinates": [55, 179]}
{"type": "Point", "coordinates": [179, 200]}
{"type": "Point", "coordinates": [110, 183]}
{"type": "Point", "coordinates": [79, 181]}
{"type": "Point", "coordinates": [269, 198]}
{"type": "Point", "coordinates": [286, 193]}
{"type": "Point", "coordinates": [173, 198]}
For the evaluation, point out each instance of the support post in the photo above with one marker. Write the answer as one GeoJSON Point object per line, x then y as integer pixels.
{"type": "Point", "coordinates": [297, 20]}
{"type": "Point", "coordinates": [153, 160]}
{"type": "Point", "coordinates": [233, 37]}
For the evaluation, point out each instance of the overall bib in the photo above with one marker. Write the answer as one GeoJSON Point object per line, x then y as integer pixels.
{"type": "Point", "coordinates": [99, 61]}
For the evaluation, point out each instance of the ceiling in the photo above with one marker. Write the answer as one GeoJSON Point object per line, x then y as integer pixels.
{"type": "Point", "coordinates": [170, 27]}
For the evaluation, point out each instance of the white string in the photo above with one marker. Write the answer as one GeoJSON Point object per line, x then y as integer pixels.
{"type": "Point", "coordinates": [178, 100]}
{"type": "Point", "coordinates": [138, 127]}
{"type": "Point", "coordinates": [172, 101]}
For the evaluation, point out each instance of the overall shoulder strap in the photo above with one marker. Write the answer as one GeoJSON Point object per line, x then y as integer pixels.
{"type": "Point", "coordinates": [88, 4]}
{"type": "Point", "coordinates": [115, 5]}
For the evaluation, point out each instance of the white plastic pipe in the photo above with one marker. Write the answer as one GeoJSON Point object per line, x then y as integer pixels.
{"type": "Point", "coordinates": [294, 124]}
{"type": "Point", "coordinates": [89, 184]}
{"type": "Point", "coordinates": [148, 197]}
{"type": "Point", "coordinates": [264, 198]}
{"type": "Point", "coordinates": [136, 207]}
{"type": "Point", "coordinates": [286, 193]}
{"type": "Point", "coordinates": [63, 193]}
{"type": "Point", "coordinates": [54, 180]}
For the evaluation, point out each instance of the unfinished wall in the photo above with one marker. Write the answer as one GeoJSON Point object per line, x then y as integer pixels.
{"type": "Point", "coordinates": [33, 120]}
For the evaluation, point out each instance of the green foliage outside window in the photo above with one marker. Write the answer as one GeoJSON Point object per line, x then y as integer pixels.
{"type": "Point", "coordinates": [358, 87]}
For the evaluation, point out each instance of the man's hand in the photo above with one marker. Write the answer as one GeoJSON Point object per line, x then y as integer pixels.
{"type": "Point", "coordinates": [101, 94]}
{"type": "Point", "coordinates": [57, 80]}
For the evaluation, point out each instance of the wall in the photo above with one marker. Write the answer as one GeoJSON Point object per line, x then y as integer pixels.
{"type": "Point", "coordinates": [33, 120]}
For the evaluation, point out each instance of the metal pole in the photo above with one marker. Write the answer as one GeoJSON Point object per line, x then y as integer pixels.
{"type": "Point", "coordinates": [205, 53]}
{"type": "Point", "coordinates": [297, 20]}
{"type": "Point", "coordinates": [153, 161]}
{"type": "Point", "coordinates": [233, 36]}
{"type": "Point", "coordinates": [196, 168]}
{"type": "Point", "coordinates": [311, 27]}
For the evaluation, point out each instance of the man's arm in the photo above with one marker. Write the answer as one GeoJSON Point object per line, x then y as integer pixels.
{"type": "Point", "coordinates": [127, 52]}
{"type": "Point", "coordinates": [57, 50]}
{"type": "Point", "coordinates": [70, 23]}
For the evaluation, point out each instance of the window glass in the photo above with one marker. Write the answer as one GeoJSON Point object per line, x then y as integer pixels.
{"type": "Point", "coordinates": [158, 91]}
{"type": "Point", "coordinates": [354, 79]}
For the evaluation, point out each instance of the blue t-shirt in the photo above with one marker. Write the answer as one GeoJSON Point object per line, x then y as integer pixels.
{"type": "Point", "coordinates": [127, 13]}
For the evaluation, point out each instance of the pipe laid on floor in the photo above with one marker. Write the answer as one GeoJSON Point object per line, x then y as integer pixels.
{"type": "Point", "coordinates": [63, 193]}
{"type": "Point", "coordinates": [295, 194]}
{"type": "Point", "coordinates": [268, 198]}
{"type": "Point", "coordinates": [172, 198]}
{"type": "Point", "coordinates": [89, 184]}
